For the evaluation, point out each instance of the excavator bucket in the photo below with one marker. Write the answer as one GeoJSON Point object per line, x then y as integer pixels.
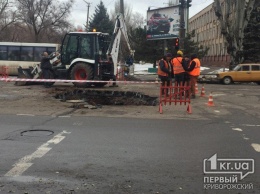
{"type": "Point", "coordinates": [23, 73]}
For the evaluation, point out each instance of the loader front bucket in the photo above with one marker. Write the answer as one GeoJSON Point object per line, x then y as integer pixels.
{"type": "Point", "coordinates": [23, 73]}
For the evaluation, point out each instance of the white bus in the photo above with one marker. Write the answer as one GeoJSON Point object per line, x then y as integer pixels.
{"type": "Point", "coordinates": [15, 54]}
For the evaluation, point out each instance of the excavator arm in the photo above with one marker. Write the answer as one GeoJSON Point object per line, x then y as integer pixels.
{"type": "Point", "coordinates": [113, 50]}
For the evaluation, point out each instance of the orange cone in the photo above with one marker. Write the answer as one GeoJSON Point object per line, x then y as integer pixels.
{"type": "Point", "coordinates": [156, 81]}
{"type": "Point", "coordinates": [210, 101]}
{"type": "Point", "coordinates": [189, 109]}
{"type": "Point", "coordinates": [196, 89]}
{"type": "Point", "coordinates": [202, 94]}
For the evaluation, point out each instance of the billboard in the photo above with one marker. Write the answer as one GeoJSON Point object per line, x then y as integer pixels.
{"type": "Point", "coordinates": [163, 23]}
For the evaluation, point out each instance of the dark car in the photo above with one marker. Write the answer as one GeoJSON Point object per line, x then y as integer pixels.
{"type": "Point", "coordinates": [158, 24]}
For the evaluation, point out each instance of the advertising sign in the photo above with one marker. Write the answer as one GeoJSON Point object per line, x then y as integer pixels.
{"type": "Point", "coordinates": [163, 23]}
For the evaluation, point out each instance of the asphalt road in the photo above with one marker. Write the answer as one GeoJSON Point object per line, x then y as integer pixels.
{"type": "Point", "coordinates": [52, 148]}
{"type": "Point", "coordinates": [123, 155]}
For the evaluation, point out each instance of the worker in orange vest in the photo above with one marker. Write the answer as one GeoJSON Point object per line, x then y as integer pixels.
{"type": "Point", "coordinates": [194, 72]}
{"type": "Point", "coordinates": [165, 72]}
{"type": "Point", "coordinates": [178, 70]}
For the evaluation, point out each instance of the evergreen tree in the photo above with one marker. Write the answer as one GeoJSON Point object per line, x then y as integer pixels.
{"type": "Point", "coordinates": [147, 51]}
{"type": "Point", "coordinates": [100, 20]}
{"type": "Point", "coordinates": [194, 47]}
{"type": "Point", "coordinates": [151, 50]}
{"type": "Point", "coordinates": [252, 36]}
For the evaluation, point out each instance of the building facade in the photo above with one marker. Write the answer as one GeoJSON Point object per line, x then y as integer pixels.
{"type": "Point", "coordinates": [208, 34]}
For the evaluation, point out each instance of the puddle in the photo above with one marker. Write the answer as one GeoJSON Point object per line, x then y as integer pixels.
{"type": "Point", "coordinates": [108, 97]}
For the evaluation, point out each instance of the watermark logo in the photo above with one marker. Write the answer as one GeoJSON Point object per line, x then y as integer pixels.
{"type": "Point", "coordinates": [243, 167]}
{"type": "Point", "coordinates": [225, 173]}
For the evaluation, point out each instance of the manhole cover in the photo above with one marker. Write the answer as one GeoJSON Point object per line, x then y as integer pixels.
{"type": "Point", "coordinates": [36, 133]}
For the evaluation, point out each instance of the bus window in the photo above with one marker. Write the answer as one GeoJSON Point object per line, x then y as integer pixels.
{"type": "Point", "coordinates": [38, 53]}
{"type": "Point", "coordinates": [3, 52]}
{"type": "Point", "coordinates": [14, 53]}
{"type": "Point", "coordinates": [26, 53]}
{"type": "Point", "coordinates": [51, 50]}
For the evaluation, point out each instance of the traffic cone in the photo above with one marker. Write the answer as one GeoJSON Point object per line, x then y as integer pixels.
{"type": "Point", "coordinates": [189, 109]}
{"type": "Point", "coordinates": [202, 94]}
{"type": "Point", "coordinates": [196, 89]}
{"type": "Point", "coordinates": [156, 80]}
{"type": "Point", "coordinates": [210, 101]}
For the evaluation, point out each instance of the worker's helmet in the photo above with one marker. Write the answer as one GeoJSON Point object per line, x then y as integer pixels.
{"type": "Point", "coordinates": [179, 52]}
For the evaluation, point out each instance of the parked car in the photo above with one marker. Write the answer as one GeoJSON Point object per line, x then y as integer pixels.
{"type": "Point", "coordinates": [241, 73]}
{"type": "Point", "coordinates": [158, 24]}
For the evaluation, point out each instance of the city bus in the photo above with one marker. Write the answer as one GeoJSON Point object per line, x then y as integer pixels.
{"type": "Point", "coordinates": [15, 54]}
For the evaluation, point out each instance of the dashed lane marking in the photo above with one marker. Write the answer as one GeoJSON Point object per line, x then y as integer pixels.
{"type": "Point", "coordinates": [30, 115]}
{"type": "Point", "coordinates": [26, 162]}
{"type": "Point", "coordinates": [65, 116]}
{"type": "Point", "coordinates": [237, 129]}
{"type": "Point", "coordinates": [250, 125]}
{"type": "Point", "coordinates": [256, 147]}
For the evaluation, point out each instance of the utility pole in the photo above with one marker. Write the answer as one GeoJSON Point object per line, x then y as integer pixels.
{"type": "Point", "coordinates": [88, 3]}
{"type": "Point", "coordinates": [122, 7]}
{"type": "Point", "coordinates": [182, 24]}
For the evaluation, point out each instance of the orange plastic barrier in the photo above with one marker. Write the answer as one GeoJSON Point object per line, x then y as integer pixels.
{"type": "Point", "coordinates": [174, 94]}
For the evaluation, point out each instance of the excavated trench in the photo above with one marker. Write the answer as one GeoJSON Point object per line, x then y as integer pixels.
{"type": "Point", "coordinates": [105, 97]}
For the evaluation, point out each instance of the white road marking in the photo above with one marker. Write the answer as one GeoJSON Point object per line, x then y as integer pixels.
{"type": "Point", "coordinates": [256, 146]}
{"type": "Point", "coordinates": [216, 111]}
{"type": "Point", "coordinates": [218, 94]}
{"type": "Point", "coordinates": [26, 162]}
{"type": "Point", "coordinates": [244, 137]}
{"type": "Point", "coordinates": [65, 116]}
{"type": "Point", "coordinates": [30, 115]}
{"type": "Point", "coordinates": [250, 125]}
{"type": "Point", "coordinates": [237, 129]}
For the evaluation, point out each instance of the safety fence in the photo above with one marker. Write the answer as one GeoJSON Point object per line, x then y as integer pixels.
{"type": "Point", "coordinates": [14, 79]}
{"type": "Point", "coordinates": [176, 94]}
{"type": "Point", "coordinates": [3, 72]}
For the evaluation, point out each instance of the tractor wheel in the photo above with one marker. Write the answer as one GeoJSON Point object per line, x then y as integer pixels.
{"type": "Point", "coordinates": [82, 71]}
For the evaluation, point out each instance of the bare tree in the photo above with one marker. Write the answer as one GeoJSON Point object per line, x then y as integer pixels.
{"type": "Point", "coordinates": [42, 16]}
{"type": "Point", "coordinates": [233, 16]}
{"type": "Point", "coordinates": [138, 20]}
{"type": "Point", "coordinates": [127, 13]}
{"type": "Point", "coordinates": [7, 16]}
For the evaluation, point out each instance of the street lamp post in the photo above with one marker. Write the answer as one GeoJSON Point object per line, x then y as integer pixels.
{"type": "Point", "coordinates": [88, 3]}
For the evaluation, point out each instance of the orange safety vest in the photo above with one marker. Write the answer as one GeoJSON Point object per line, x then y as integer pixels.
{"type": "Point", "coordinates": [196, 70]}
{"type": "Point", "coordinates": [160, 72]}
{"type": "Point", "coordinates": [177, 66]}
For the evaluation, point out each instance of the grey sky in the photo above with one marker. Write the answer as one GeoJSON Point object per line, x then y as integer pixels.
{"type": "Point", "coordinates": [79, 10]}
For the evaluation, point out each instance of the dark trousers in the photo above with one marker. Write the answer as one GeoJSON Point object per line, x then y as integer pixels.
{"type": "Point", "coordinates": [180, 78]}
{"type": "Point", "coordinates": [165, 81]}
{"type": "Point", "coordinates": [46, 75]}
